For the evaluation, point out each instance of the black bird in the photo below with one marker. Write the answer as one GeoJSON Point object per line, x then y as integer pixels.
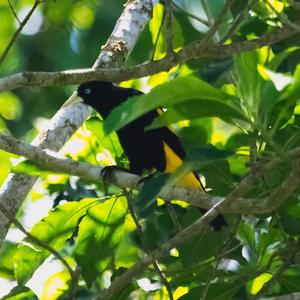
{"type": "Point", "coordinates": [159, 149]}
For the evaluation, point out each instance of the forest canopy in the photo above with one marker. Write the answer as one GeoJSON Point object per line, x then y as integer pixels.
{"type": "Point", "coordinates": [226, 75]}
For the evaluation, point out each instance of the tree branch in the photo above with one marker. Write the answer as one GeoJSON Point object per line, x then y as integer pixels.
{"type": "Point", "coordinates": [191, 51]}
{"type": "Point", "coordinates": [73, 273]}
{"type": "Point", "coordinates": [52, 161]}
{"type": "Point", "coordinates": [193, 229]}
{"type": "Point", "coordinates": [14, 12]}
{"type": "Point", "coordinates": [21, 26]}
{"type": "Point", "coordinates": [235, 25]}
{"type": "Point", "coordinates": [292, 296]}
{"type": "Point", "coordinates": [145, 245]}
{"type": "Point", "coordinates": [62, 126]}
{"type": "Point", "coordinates": [169, 25]}
{"type": "Point", "coordinates": [189, 14]}
{"type": "Point", "coordinates": [214, 28]}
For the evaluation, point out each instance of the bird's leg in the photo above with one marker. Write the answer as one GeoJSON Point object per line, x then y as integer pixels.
{"type": "Point", "coordinates": [107, 175]}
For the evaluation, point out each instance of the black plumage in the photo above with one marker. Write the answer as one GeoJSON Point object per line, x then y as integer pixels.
{"type": "Point", "coordinates": [158, 149]}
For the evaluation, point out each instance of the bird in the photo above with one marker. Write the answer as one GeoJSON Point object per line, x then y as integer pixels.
{"type": "Point", "coordinates": [159, 149]}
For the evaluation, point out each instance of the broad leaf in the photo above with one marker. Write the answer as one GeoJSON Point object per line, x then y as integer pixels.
{"type": "Point", "coordinates": [249, 80]}
{"type": "Point", "coordinates": [204, 245]}
{"type": "Point", "coordinates": [180, 93]}
{"type": "Point", "coordinates": [53, 230]}
{"type": "Point", "coordinates": [20, 293]}
{"type": "Point", "coordinates": [110, 142]}
{"type": "Point", "coordinates": [7, 252]}
{"type": "Point", "coordinates": [100, 233]}
{"type": "Point", "coordinates": [216, 291]}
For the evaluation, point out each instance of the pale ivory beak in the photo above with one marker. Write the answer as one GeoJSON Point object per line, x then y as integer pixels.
{"type": "Point", "coordinates": [74, 99]}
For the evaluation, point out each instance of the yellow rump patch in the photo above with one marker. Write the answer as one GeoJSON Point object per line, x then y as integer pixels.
{"type": "Point", "coordinates": [173, 161]}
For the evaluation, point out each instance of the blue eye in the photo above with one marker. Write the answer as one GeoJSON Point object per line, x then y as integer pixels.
{"type": "Point", "coordinates": [87, 91]}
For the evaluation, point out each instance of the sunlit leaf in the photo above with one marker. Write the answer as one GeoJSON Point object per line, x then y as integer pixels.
{"type": "Point", "coordinates": [10, 106]}
{"type": "Point", "coordinates": [83, 16]}
{"type": "Point", "coordinates": [53, 230]}
{"type": "Point", "coordinates": [259, 281]}
{"type": "Point", "coordinates": [20, 293]}
{"type": "Point", "coordinates": [189, 96]}
{"type": "Point", "coordinates": [216, 291]}
{"type": "Point", "coordinates": [99, 235]}
{"type": "Point", "coordinates": [55, 285]}
{"type": "Point", "coordinates": [111, 142]}
{"type": "Point", "coordinates": [7, 252]}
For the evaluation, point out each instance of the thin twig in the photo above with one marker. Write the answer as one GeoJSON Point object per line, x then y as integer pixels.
{"type": "Point", "coordinates": [295, 4]}
{"type": "Point", "coordinates": [202, 264]}
{"type": "Point", "coordinates": [16, 34]}
{"type": "Point", "coordinates": [182, 236]}
{"type": "Point", "coordinates": [169, 26]}
{"type": "Point", "coordinates": [145, 244]}
{"type": "Point", "coordinates": [224, 250]}
{"type": "Point", "coordinates": [235, 25]}
{"type": "Point", "coordinates": [127, 180]}
{"type": "Point", "coordinates": [14, 12]}
{"type": "Point", "coordinates": [211, 32]}
{"type": "Point", "coordinates": [281, 16]}
{"type": "Point", "coordinates": [173, 215]}
{"type": "Point", "coordinates": [286, 263]}
{"type": "Point", "coordinates": [189, 14]}
{"type": "Point", "coordinates": [74, 274]}
{"type": "Point", "coordinates": [191, 51]}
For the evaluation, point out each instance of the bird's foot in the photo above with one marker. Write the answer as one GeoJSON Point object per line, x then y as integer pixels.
{"type": "Point", "coordinates": [107, 174]}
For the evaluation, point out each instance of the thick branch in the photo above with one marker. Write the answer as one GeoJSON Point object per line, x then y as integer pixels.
{"type": "Point", "coordinates": [193, 229]}
{"type": "Point", "coordinates": [62, 126]}
{"type": "Point", "coordinates": [53, 161]}
{"type": "Point", "coordinates": [191, 51]}
{"type": "Point", "coordinates": [292, 296]}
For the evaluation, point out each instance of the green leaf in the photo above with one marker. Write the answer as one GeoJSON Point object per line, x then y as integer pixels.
{"type": "Point", "coordinates": [290, 282]}
{"type": "Point", "coordinates": [168, 117]}
{"type": "Point", "coordinates": [218, 177]}
{"type": "Point", "coordinates": [292, 92]}
{"type": "Point", "coordinates": [7, 253]}
{"type": "Point", "coordinates": [20, 293]}
{"type": "Point", "coordinates": [109, 142]}
{"type": "Point", "coordinates": [249, 80]}
{"type": "Point", "coordinates": [238, 140]}
{"type": "Point", "coordinates": [155, 29]}
{"type": "Point", "coordinates": [184, 94]}
{"type": "Point", "coordinates": [159, 227]}
{"type": "Point", "coordinates": [10, 106]}
{"type": "Point", "coordinates": [202, 246]}
{"type": "Point", "coordinates": [261, 245]}
{"type": "Point", "coordinates": [201, 108]}
{"type": "Point", "coordinates": [291, 225]}
{"type": "Point", "coordinates": [200, 158]}
{"type": "Point", "coordinates": [100, 233]}
{"type": "Point", "coordinates": [53, 230]}
{"type": "Point", "coordinates": [277, 60]}
{"type": "Point", "coordinates": [216, 291]}
{"type": "Point", "coordinates": [269, 98]}
{"type": "Point", "coordinates": [246, 235]}
{"type": "Point", "coordinates": [213, 9]}
{"type": "Point", "coordinates": [145, 201]}
{"type": "Point", "coordinates": [197, 134]}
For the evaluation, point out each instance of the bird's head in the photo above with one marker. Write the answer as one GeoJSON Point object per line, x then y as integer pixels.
{"type": "Point", "coordinates": [97, 94]}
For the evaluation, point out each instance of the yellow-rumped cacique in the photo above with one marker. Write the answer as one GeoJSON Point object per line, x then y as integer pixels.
{"type": "Point", "coordinates": [158, 149]}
